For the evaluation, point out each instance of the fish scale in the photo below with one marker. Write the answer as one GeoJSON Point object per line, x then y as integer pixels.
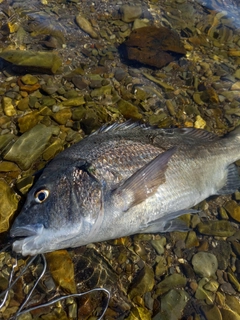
{"type": "Point", "coordinates": [124, 179]}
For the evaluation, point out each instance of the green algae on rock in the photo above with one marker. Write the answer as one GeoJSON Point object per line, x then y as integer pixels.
{"type": "Point", "coordinates": [29, 146]}
{"type": "Point", "coordinates": [40, 61]}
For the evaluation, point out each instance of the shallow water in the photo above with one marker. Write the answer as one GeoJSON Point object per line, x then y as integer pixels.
{"type": "Point", "coordinates": [63, 73]}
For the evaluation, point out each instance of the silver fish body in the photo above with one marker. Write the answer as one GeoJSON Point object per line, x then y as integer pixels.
{"type": "Point", "coordinates": [124, 179]}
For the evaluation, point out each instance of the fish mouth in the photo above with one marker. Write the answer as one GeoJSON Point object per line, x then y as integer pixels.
{"type": "Point", "coordinates": [29, 234]}
{"type": "Point", "coordinates": [26, 231]}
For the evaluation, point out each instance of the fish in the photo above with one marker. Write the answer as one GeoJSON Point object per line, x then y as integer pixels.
{"type": "Point", "coordinates": [124, 179]}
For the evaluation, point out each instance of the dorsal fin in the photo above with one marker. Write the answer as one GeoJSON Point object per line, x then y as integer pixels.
{"type": "Point", "coordinates": [129, 124]}
{"type": "Point", "coordinates": [198, 134]}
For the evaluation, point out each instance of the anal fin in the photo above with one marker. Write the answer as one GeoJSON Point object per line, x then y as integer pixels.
{"type": "Point", "coordinates": [168, 223]}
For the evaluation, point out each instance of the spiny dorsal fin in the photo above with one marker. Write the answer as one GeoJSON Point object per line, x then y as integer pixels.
{"type": "Point", "coordinates": [198, 134]}
{"type": "Point", "coordinates": [143, 183]}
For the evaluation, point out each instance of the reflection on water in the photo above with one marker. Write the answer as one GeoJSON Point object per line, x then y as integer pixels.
{"type": "Point", "coordinates": [63, 73]}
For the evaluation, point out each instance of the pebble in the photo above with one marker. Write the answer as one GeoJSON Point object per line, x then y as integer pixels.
{"type": "Point", "coordinates": [86, 26]}
{"type": "Point", "coordinates": [221, 228]}
{"type": "Point", "coordinates": [8, 107]}
{"type": "Point", "coordinates": [205, 264]}
{"type": "Point", "coordinates": [130, 13]}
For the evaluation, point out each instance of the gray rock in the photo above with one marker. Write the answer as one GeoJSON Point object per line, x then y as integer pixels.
{"type": "Point", "coordinates": [205, 264]}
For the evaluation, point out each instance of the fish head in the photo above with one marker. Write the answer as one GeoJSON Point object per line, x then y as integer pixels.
{"type": "Point", "coordinates": [59, 212]}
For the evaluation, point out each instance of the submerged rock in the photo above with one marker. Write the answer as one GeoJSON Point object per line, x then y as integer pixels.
{"type": "Point", "coordinates": [205, 264]}
{"type": "Point", "coordinates": [8, 205]}
{"type": "Point", "coordinates": [29, 146]}
{"type": "Point", "coordinates": [39, 61]}
{"type": "Point", "coordinates": [154, 46]}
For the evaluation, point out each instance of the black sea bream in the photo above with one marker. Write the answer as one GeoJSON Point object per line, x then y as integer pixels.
{"type": "Point", "coordinates": [124, 179]}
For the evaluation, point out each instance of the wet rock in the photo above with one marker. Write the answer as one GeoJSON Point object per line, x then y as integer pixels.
{"type": "Point", "coordinates": [169, 308]}
{"type": "Point", "coordinates": [202, 293]}
{"type": "Point", "coordinates": [29, 146]}
{"type": "Point", "coordinates": [29, 79]}
{"type": "Point", "coordinates": [205, 264]}
{"type": "Point", "coordinates": [192, 240]}
{"type": "Point", "coordinates": [8, 107]}
{"type": "Point", "coordinates": [139, 313]}
{"type": "Point", "coordinates": [159, 244]}
{"type": "Point", "coordinates": [200, 123]}
{"type": "Point", "coordinates": [41, 61]}
{"type": "Point", "coordinates": [130, 13]}
{"type": "Point", "coordinates": [143, 283]}
{"type": "Point", "coordinates": [6, 140]}
{"type": "Point", "coordinates": [233, 209]}
{"type": "Point", "coordinates": [23, 104]}
{"type": "Point", "coordinates": [154, 46]}
{"type": "Point", "coordinates": [8, 205]}
{"type": "Point", "coordinates": [74, 102]}
{"type": "Point", "coordinates": [6, 166]}
{"type": "Point", "coordinates": [62, 269]}
{"type": "Point", "coordinates": [86, 26]}
{"type": "Point", "coordinates": [53, 149]}
{"type": "Point", "coordinates": [140, 23]}
{"type": "Point", "coordinates": [222, 251]}
{"type": "Point", "coordinates": [128, 110]}
{"type": "Point", "coordinates": [173, 281]}
{"type": "Point", "coordinates": [78, 113]}
{"type": "Point", "coordinates": [216, 228]}
{"type": "Point", "coordinates": [62, 116]}
{"type": "Point", "coordinates": [161, 267]}
{"type": "Point", "coordinates": [28, 121]}
{"type": "Point", "coordinates": [212, 312]}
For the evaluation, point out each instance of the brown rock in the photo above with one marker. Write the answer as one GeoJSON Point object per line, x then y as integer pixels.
{"type": "Point", "coordinates": [154, 46]}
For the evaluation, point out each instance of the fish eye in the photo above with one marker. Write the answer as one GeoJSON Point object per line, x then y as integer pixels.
{"type": "Point", "coordinates": [41, 195]}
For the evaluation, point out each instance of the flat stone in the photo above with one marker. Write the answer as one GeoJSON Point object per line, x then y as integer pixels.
{"type": "Point", "coordinates": [220, 228]}
{"type": "Point", "coordinates": [205, 264]}
{"type": "Point", "coordinates": [29, 146]}
{"type": "Point", "coordinates": [6, 166]}
{"type": "Point", "coordinates": [128, 110]}
{"type": "Point", "coordinates": [130, 13]}
{"type": "Point", "coordinates": [41, 61]}
{"type": "Point", "coordinates": [53, 149]}
{"type": "Point", "coordinates": [74, 102]}
{"type": "Point", "coordinates": [29, 79]}
{"type": "Point", "coordinates": [143, 282]}
{"type": "Point", "coordinates": [212, 312]}
{"type": "Point", "coordinates": [159, 244]}
{"type": "Point", "coordinates": [8, 205]}
{"type": "Point", "coordinates": [173, 281]}
{"type": "Point", "coordinates": [62, 116]}
{"type": "Point", "coordinates": [28, 121]}
{"type": "Point", "coordinates": [173, 303]}
{"type": "Point", "coordinates": [23, 104]}
{"type": "Point", "coordinates": [154, 46]}
{"type": "Point", "coordinates": [233, 209]}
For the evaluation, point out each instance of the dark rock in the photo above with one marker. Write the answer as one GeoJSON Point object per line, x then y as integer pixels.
{"type": "Point", "coordinates": [154, 46]}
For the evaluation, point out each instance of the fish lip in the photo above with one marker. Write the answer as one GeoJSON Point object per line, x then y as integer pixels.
{"type": "Point", "coordinates": [26, 231]}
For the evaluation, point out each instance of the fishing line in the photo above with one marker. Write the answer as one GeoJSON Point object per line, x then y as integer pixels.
{"type": "Point", "coordinates": [11, 284]}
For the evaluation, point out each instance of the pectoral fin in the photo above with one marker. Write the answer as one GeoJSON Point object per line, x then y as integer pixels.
{"type": "Point", "coordinates": [143, 183]}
